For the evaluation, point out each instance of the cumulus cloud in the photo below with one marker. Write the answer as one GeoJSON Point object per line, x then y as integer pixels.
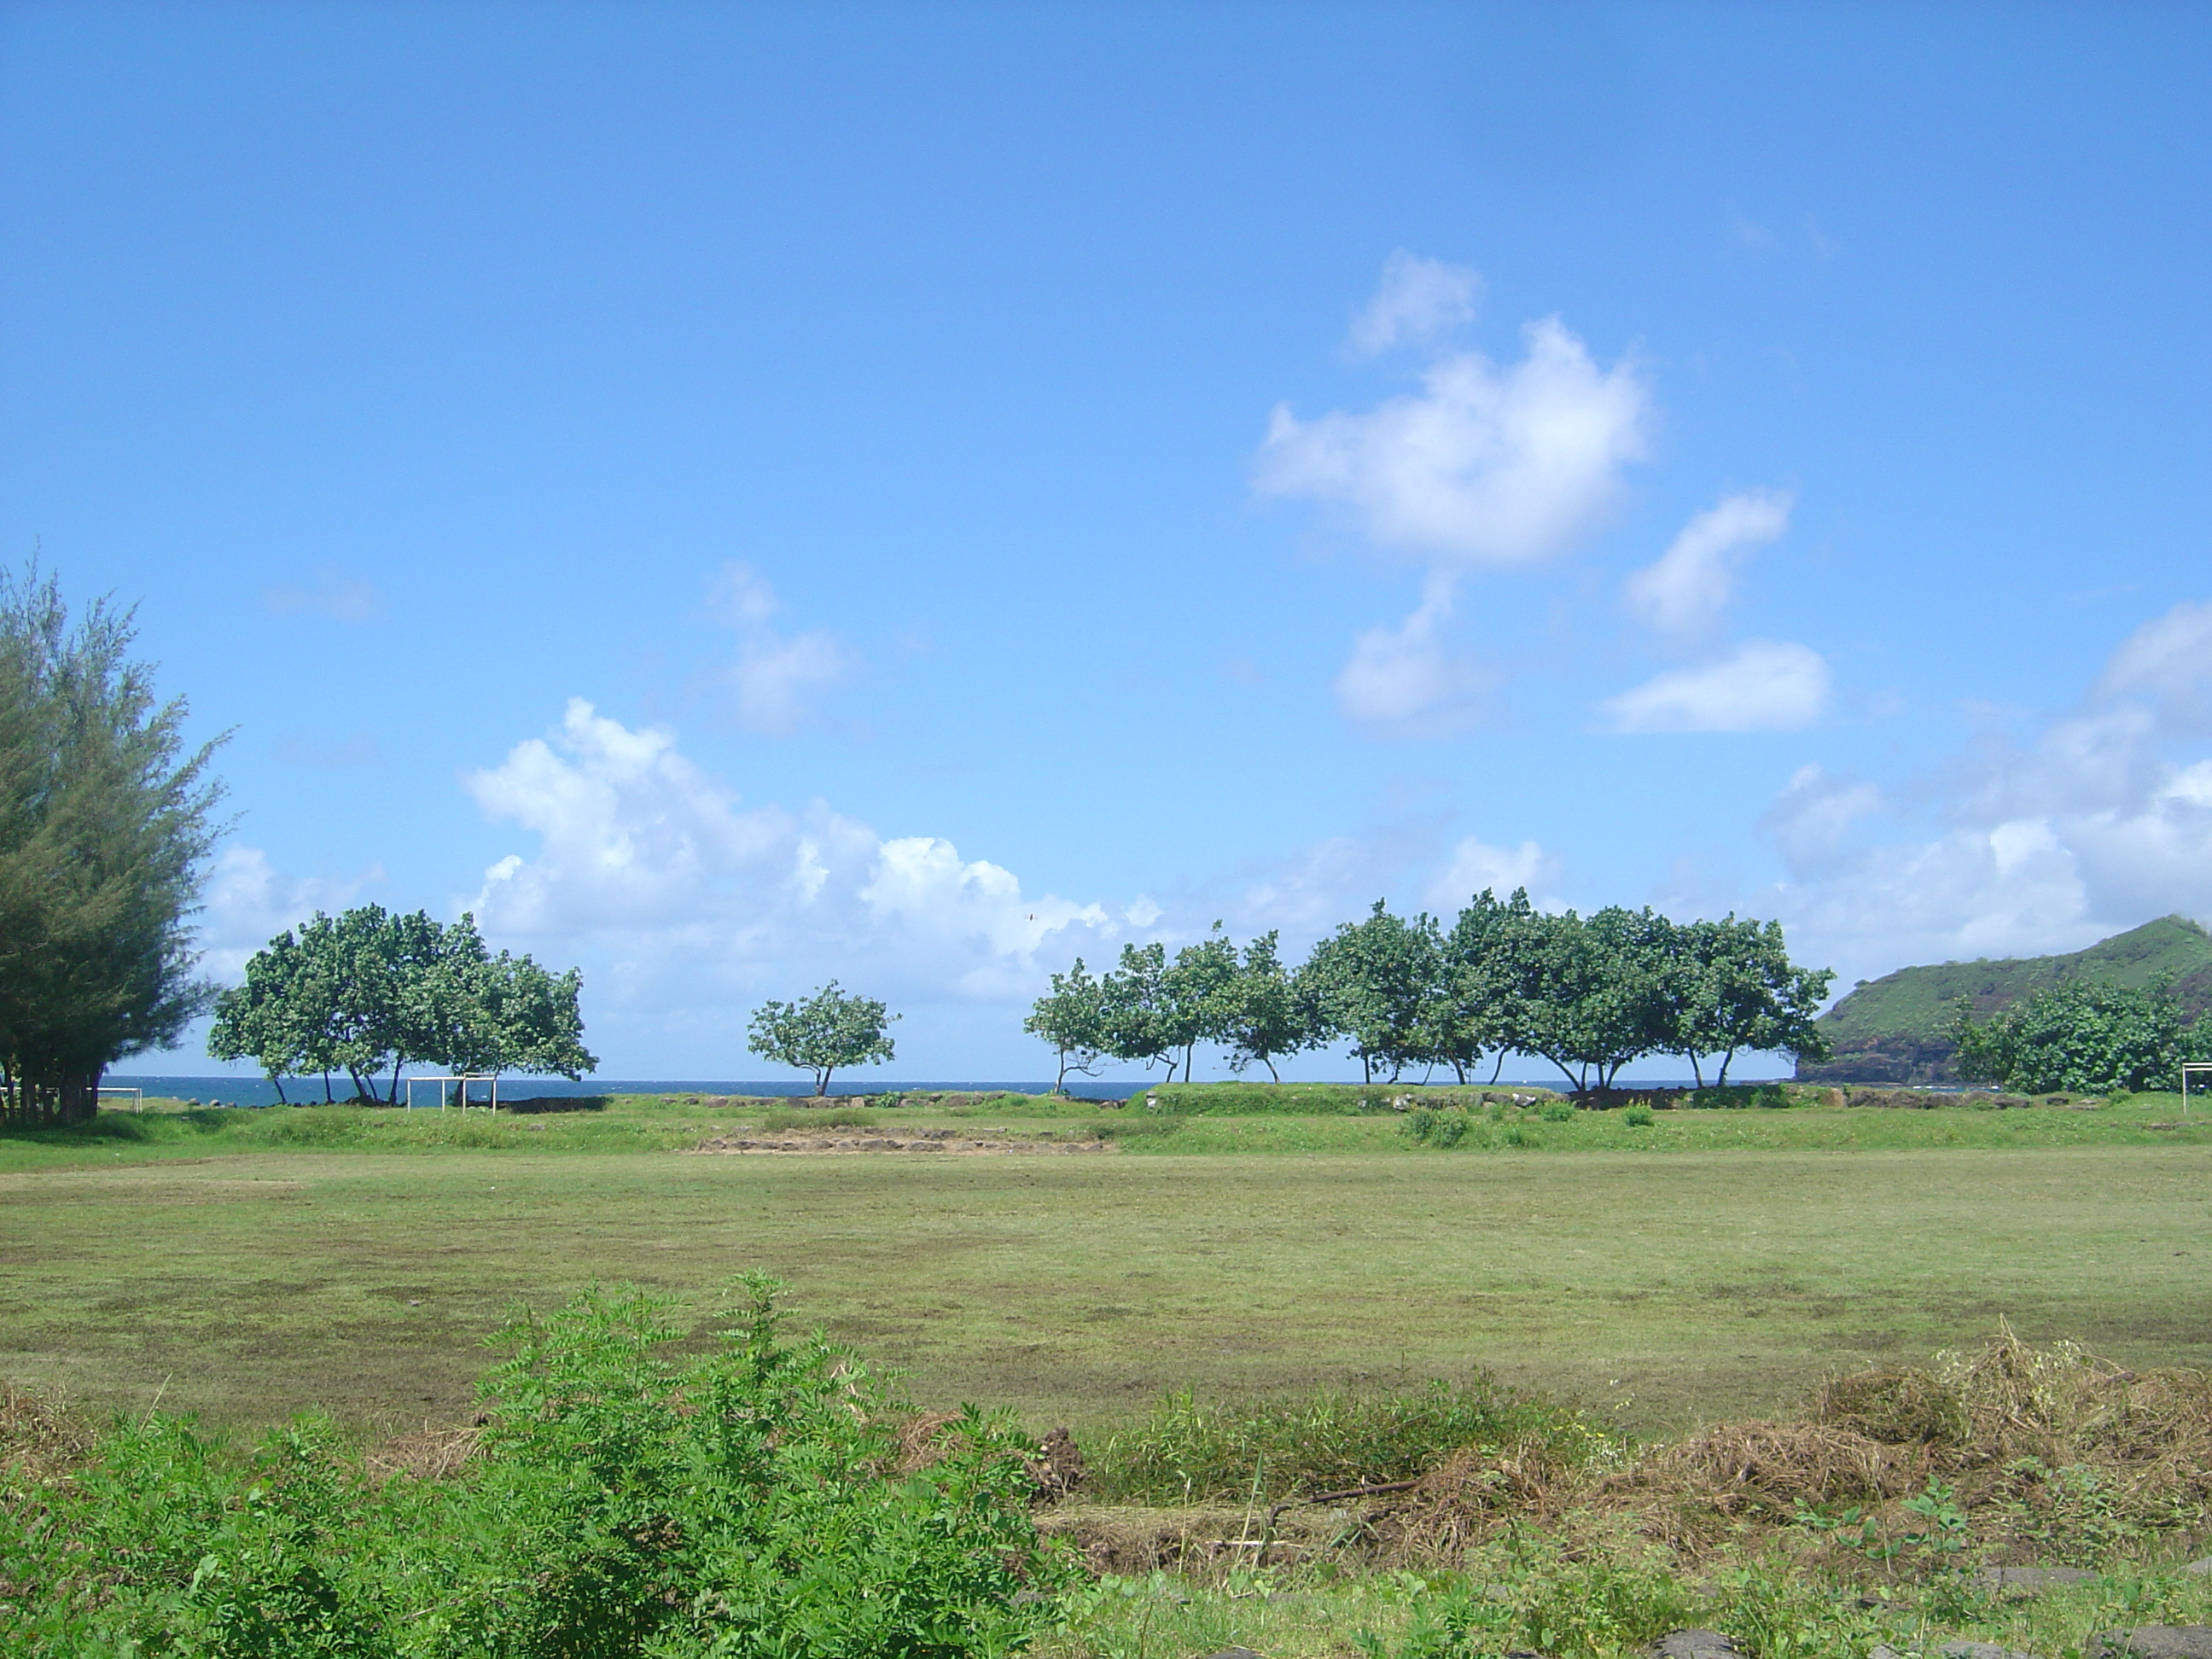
{"type": "Point", "coordinates": [2167, 662]}
{"type": "Point", "coordinates": [2043, 843]}
{"type": "Point", "coordinates": [1406, 682]}
{"type": "Point", "coordinates": [331, 596]}
{"type": "Point", "coordinates": [1811, 818]}
{"type": "Point", "coordinates": [1420, 302]}
{"type": "Point", "coordinates": [700, 903]}
{"type": "Point", "coordinates": [1762, 685]}
{"type": "Point", "coordinates": [776, 677]}
{"type": "Point", "coordinates": [1486, 466]}
{"type": "Point", "coordinates": [1475, 865]}
{"type": "Point", "coordinates": [1686, 593]}
{"type": "Point", "coordinates": [248, 901]}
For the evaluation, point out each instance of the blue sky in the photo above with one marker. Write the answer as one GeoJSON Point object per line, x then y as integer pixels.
{"type": "Point", "coordinates": [742, 495]}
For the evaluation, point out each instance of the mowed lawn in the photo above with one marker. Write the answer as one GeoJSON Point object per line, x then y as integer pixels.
{"type": "Point", "coordinates": [1078, 1289]}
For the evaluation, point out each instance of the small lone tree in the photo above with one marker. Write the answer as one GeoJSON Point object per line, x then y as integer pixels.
{"type": "Point", "coordinates": [828, 1030]}
{"type": "Point", "coordinates": [1073, 1019]}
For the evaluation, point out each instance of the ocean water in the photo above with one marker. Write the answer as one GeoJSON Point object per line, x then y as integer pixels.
{"type": "Point", "coordinates": [260, 1091]}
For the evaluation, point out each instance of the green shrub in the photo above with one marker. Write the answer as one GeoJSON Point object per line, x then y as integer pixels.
{"type": "Point", "coordinates": [1558, 1110]}
{"type": "Point", "coordinates": [1774, 1096]}
{"type": "Point", "coordinates": [749, 1501]}
{"type": "Point", "coordinates": [1433, 1125]}
{"type": "Point", "coordinates": [1639, 1116]}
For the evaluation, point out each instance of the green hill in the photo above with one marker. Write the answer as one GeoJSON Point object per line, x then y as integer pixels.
{"type": "Point", "coordinates": [1890, 1029]}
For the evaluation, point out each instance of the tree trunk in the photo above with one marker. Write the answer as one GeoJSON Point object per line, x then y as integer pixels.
{"type": "Point", "coordinates": [1720, 1082]}
{"type": "Point", "coordinates": [1270, 1064]}
{"type": "Point", "coordinates": [279, 1082]}
{"type": "Point", "coordinates": [1695, 1071]}
{"type": "Point", "coordinates": [78, 1096]}
{"type": "Point", "coordinates": [394, 1099]}
{"type": "Point", "coordinates": [1500, 1070]}
{"type": "Point", "coordinates": [328, 1100]}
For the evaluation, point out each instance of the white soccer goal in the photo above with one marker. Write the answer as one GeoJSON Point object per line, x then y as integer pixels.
{"type": "Point", "coordinates": [460, 1088]}
{"type": "Point", "coordinates": [2202, 1071]}
{"type": "Point", "coordinates": [137, 1096]}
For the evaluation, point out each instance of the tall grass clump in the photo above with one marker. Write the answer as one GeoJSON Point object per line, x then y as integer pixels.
{"type": "Point", "coordinates": [758, 1500]}
{"type": "Point", "coordinates": [1189, 1450]}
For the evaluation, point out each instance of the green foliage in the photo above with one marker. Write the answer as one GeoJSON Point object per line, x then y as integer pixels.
{"type": "Point", "coordinates": [1269, 1012]}
{"type": "Point", "coordinates": [1377, 981]}
{"type": "Point", "coordinates": [1436, 1126]}
{"type": "Point", "coordinates": [2082, 1037]}
{"type": "Point", "coordinates": [1639, 1116]}
{"type": "Point", "coordinates": [748, 1501]}
{"type": "Point", "coordinates": [104, 827]}
{"type": "Point", "coordinates": [1073, 1019]}
{"type": "Point", "coordinates": [1189, 1450]}
{"type": "Point", "coordinates": [827, 1031]}
{"type": "Point", "coordinates": [369, 990]}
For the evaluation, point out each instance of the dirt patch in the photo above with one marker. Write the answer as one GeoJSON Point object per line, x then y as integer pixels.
{"type": "Point", "coordinates": [968, 1143]}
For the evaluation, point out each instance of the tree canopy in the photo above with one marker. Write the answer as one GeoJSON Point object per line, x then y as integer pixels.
{"type": "Point", "coordinates": [829, 1030]}
{"type": "Point", "coordinates": [106, 824]}
{"type": "Point", "coordinates": [1589, 994]}
{"type": "Point", "coordinates": [369, 991]}
{"type": "Point", "coordinates": [2083, 1036]}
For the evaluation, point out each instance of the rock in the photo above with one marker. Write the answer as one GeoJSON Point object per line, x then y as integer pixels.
{"type": "Point", "coordinates": [2157, 1642]}
{"type": "Point", "coordinates": [2031, 1579]}
{"type": "Point", "coordinates": [1234, 1653]}
{"type": "Point", "coordinates": [1980, 1651]}
{"type": "Point", "coordinates": [1695, 1645]}
{"type": "Point", "coordinates": [2200, 1568]}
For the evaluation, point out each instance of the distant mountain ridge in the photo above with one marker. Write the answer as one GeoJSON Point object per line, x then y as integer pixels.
{"type": "Point", "coordinates": [1890, 1029]}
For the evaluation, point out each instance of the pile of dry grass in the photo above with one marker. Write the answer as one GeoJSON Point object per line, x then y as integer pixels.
{"type": "Point", "coordinates": [41, 1438]}
{"type": "Point", "coordinates": [2046, 1451]}
{"type": "Point", "coordinates": [428, 1454]}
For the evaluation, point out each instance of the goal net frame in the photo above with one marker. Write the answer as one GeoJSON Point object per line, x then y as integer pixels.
{"type": "Point", "coordinates": [2202, 1071]}
{"type": "Point", "coordinates": [137, 1096]}
{"type": "Point", "coordinates": [461, 1081]}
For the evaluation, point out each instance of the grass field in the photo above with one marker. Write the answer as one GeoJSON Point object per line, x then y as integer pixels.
{"type": "Point", "coordinates": [1712, 1264]}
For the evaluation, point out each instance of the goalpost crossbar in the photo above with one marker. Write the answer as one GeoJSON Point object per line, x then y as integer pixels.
{"type": "Point", "coordinates": [137, 1096]}
{"type": "Point", "coordinates": [2202, 1071]}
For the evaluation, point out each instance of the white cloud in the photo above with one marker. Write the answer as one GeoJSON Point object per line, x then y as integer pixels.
{"type": "Point", "coordinates": [2085, 828]}
{"type": "Point", "coordinates": [331, 596]}
{"type": "Point", "coordinates": [1421, 300]}
{"type": "Point", "coordinates": [776, 677]}
{"type": "Point", "coordinates": [1763, 685]}
{"type": "Point", "coordinates": [248, 901]}
{"type": "Point", "coordinates": [1686, 590]}
{"type": "Point", "coordinates": [1405, 682]}
{"type": "Point", "coordinates": [2168, 662]}
{"type": "Point", "coordinates": [1486, 466]}
{"type": "Point", "coordinates": [1475, 865]}
{"type": "Point", "coordinates": [699, 905]}
{"type": "Point", "coordinates": [1811, 818]}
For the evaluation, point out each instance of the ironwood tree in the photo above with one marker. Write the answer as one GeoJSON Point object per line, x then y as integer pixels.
{"type": "Point", "coordinates": [107, 821]}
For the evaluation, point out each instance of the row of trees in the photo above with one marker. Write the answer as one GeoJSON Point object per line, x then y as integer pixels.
{"type": "Point", "coordinates": [106, 820]}
{"type": "Point", "coordinates": [2083, 1037]}
{"type": "Point", "coordinates": [1589, 993]}
{"type": "Point", "coordinates": [368, 991]}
